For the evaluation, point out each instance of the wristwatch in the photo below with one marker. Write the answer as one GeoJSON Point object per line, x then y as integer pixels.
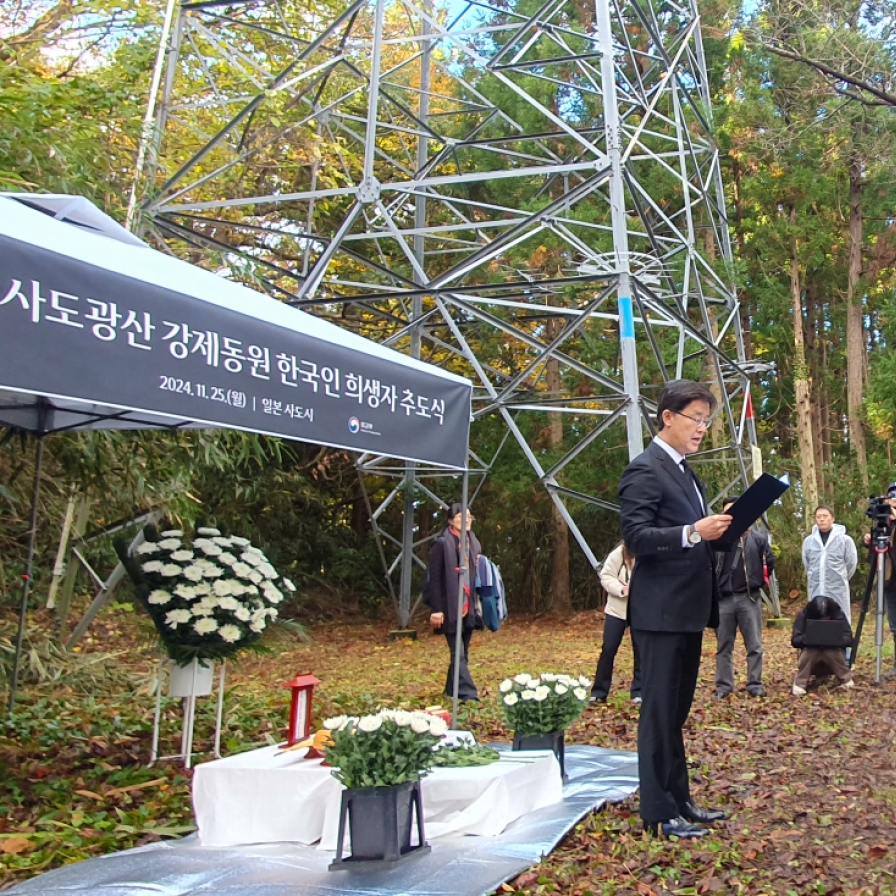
{"type": "Point", "coordinates": [694, 537]}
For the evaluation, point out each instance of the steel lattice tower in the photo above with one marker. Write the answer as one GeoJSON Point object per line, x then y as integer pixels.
{"type": "Point", "coordinates": [528, 193]}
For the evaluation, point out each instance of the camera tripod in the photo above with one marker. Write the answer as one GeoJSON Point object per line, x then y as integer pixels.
{"type": "Point", "coordinates": [880, 539]}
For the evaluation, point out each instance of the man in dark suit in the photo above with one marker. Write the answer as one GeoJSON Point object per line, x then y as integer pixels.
{"type": "Point", "coordinates": [673, 597]}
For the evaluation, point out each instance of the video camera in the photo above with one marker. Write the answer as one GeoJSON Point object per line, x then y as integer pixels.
{"type": "Point", "coordinates": [880, 511]}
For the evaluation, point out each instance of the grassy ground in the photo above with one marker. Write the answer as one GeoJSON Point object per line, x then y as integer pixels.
{"type": "Point", "coordinates": [810, 783]}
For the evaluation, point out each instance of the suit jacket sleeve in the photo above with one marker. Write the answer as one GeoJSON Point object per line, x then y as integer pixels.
{"type": "Point", "coordinates": [639, 489]}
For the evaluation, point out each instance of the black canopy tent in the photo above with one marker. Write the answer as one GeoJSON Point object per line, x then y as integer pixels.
{"type": "Point", "coordinates": [98, 331]}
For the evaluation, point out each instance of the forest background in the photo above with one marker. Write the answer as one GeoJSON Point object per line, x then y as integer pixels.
{"type": "Point", "coordinates": [804, 95]}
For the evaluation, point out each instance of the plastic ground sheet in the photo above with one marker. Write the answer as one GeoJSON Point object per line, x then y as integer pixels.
{"type": "Point", "coordinates": [457, 865]}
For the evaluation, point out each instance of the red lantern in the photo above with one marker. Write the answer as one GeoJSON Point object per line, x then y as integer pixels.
{"type": "Point", "coordinates": [300, 708]}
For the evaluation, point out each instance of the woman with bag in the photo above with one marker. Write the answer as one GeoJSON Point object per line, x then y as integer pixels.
{"type": "Point", "coordinates": [440, 592]}
{"type": "Point", "coordinates": [615, 574]}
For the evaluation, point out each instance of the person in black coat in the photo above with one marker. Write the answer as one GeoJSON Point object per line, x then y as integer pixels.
{"type": "Point", "coordinates": [440, 593]}
{"type": "Point", "coordinates": [673, 597]}
{"type": "Point", "coordinates": [821, 660]}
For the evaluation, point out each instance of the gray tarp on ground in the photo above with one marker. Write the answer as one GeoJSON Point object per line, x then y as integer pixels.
{"type": "Point", "coordinates": [457, 865]}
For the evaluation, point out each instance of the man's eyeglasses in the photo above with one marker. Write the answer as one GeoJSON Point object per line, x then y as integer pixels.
{"type": "Point", "coordinates": [700, 422]}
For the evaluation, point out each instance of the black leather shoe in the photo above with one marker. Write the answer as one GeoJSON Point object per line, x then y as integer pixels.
{"type": "Point", "coordinates": [676, 827]}
{"type": "Point", "coordinates": [757, 692]}
{"type": "Point", "coordinates": [700, 816]}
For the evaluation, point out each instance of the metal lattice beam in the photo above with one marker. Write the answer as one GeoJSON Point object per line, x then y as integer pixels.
{"type": "Point", "coordinates": [521, 193]}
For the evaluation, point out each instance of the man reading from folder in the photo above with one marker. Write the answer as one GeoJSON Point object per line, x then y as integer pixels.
{"type": "Point", "coordinates": [673, 597]}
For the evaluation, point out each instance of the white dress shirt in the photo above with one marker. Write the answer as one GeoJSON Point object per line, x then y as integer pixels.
{"type": "Point", "coordinates": [678, 458]}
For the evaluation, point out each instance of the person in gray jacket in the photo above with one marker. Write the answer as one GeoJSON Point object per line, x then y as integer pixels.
{"type": "Point", "coordinates": [830, 559]}
{"type": "Point", "coordinates": [741, 574]}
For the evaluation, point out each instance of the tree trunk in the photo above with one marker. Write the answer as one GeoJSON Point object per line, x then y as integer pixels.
{"type": "Point", "coordinates": [802, 386]}
{"type": "Point", "coordinates": [855, 337]}
{"type": "Point", "coordinates": [560, 597]}
{"type": "Point", "coordinates": [824, 412]}
{"type": "Point", "coordinates": [818, 420]}
{"type": "Point", "coordinates": [814, 334]}
{"type": "Point", "coordinates": [360, 519]}
{"type": "Point", "coordinates": [746, 322]}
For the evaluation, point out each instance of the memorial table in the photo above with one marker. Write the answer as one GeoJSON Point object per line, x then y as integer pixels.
{"type": "Point", "coordinates": [271, 796]}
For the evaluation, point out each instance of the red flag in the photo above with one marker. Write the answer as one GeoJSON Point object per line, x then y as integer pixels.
{"type": "Point", "coordinates": [749, 406]}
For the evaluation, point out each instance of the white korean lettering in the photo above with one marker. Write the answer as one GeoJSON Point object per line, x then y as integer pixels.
{"type": "Point", "coordinates": [354, 386]}
{"type": "Point", "coordinates": [107, 319]}
{"type": "Point", "coordinates": [138, 332]}
{"type": "Point", "coordinates": [15, 291]}
{"type": "Point", "coordinates": [289, 370]}
{"type": "Point", "coordinates": [330, 376]}
{"type": "Point", "coordinates": [260, 359]}
{"type": "Point", "coordinates": [232, 353]}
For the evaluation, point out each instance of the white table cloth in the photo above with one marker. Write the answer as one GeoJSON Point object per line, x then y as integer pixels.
{"type": "Point", "coordinates": [266, 796]}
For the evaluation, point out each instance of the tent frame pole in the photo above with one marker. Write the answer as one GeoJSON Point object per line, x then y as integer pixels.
{"type": "Point", "coordinates": [29, 569]}
{"type": "Point", "coordinates": [462, 579]}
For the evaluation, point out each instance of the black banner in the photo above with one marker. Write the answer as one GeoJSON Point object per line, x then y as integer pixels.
{"type": "Point", "coordinates": [74, 330]}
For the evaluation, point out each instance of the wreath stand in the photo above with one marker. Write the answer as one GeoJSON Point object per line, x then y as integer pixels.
{"type": "Point", "coordinates": [189, 709]}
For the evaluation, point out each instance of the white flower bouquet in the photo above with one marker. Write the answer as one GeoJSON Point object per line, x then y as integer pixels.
{"type": "Point", "coordinates": [208, 598]}
{"type": "Point", "coordinates": [391, 747]}
{"type": "Point", "coordinates": [542, 704]}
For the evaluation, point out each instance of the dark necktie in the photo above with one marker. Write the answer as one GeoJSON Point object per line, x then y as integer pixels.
{"type": "Point", "coordinates": [692, 480]}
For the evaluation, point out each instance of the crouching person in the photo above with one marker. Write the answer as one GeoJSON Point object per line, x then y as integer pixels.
{"type": "Point", "coordinates": [822, 634]}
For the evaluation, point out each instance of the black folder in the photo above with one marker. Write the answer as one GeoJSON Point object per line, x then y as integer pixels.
{"type": "Point", "coordinates": [750, 506]}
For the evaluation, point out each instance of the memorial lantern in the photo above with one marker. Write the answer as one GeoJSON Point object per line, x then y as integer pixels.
{"type": "Point", "coordinates": [300, 709]}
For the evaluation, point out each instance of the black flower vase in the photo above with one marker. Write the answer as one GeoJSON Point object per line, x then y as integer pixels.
{"type": "Point", "coordinates": [380, 821]}
{"type": "Point", "coordinates": [553, 741]}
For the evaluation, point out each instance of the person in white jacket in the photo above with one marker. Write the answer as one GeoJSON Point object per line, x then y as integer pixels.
{"type": "Point", "coordinates": [830, 559]}
{"type": "Point", "coordinates": [614, 576]}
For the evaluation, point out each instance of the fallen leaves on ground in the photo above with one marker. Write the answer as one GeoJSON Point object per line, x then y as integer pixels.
{"type": "Point", "coordinates": [809, 783]}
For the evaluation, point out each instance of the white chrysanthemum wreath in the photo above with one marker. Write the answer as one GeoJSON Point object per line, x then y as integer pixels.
{"type": "Point", "coordinates": [208, 598]}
